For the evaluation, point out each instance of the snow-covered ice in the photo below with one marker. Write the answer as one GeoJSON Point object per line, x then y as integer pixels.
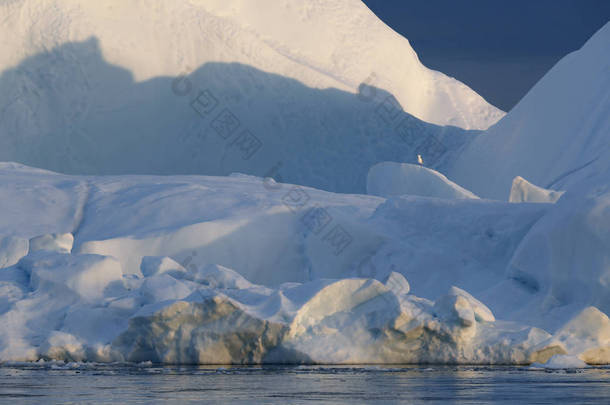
{"type": "Point", "coordinates": [390, 179]}
{"type": "Point", "coordinates": [269, 251]}
{"type": "Point", "coordinates": [194, 269]}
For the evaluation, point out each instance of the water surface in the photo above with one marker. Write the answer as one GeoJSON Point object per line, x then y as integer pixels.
{"type": "Point", "coordinates": [132, 384]}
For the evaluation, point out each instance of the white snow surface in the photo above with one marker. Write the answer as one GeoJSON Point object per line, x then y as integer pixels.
{"type": "Point", "coordinates": [238, 269]}
{"type": "Point", "coordinates": [390, 179]}
{"type": "Point", "coordinates": [556, 137]}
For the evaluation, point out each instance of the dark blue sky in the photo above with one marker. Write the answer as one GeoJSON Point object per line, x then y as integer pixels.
{"type": "Point", "coordinates": [500, 48]}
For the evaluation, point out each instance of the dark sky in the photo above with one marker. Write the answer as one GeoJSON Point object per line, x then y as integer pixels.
{"type": "Point", "coordinates": [500, 48]}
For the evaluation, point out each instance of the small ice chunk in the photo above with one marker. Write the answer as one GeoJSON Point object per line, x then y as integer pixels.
{"type": "Point", "coordinates": [53, 242]}
{"type": "Point", "coordinates": [217, 276]}
{"type": "Point", "coordinates": [587, 335]}
{"type": "Point", "coordinates": [455, 308]}
{"type": "Point", "coordinates": [524, 191]}
{"type": "Point", "coordinates": [87, 275]}
{"type": "Point", "coordinates": [63, 346]}
{"type": "Point", "coordinates": [12, 249]}
{"type": "Point", "coordinates": [163, 287]}
{"type": "Point", "coordinates": [397, 283]}
{"type": "Point", "coordinates": [152, 265]}
{"type": "Point", "coordinates": [460, 306]}
{"type": "Point", "coordinates": [561, 361]}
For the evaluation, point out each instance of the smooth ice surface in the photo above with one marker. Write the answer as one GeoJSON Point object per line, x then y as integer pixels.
{"type": "Point", "coordinates": [389, 179]}
{"type": "Point", "coordinates": [555, 137]}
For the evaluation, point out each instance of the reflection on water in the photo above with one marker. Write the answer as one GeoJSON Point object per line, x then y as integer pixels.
{"type": "Point", "coordinates": [87, 383]}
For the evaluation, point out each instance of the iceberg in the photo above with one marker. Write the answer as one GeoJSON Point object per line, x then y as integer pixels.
{"type": "Point", "coordinates": [212, 206]}
{"type": "Point", "coordinates": [209, 270]}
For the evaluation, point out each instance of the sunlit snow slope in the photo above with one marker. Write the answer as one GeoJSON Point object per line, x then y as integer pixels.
{"type": "Point", "coordinates": [322, 44]}
{"type": "Point", "coordinates": [215, 87]}
{"type": "Point", "coordinates": [556, 137]}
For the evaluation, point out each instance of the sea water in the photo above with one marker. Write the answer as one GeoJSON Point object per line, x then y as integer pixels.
{"type": "Point", "coordinates": [72, 383]}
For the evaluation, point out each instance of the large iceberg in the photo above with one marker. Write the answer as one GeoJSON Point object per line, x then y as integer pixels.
{"type": "Point", "coordinates": [247, 260]}
{"type": "Point", "coordinates": [240, 269]}
{"type": "Point", "coordinates": [214, 87]}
